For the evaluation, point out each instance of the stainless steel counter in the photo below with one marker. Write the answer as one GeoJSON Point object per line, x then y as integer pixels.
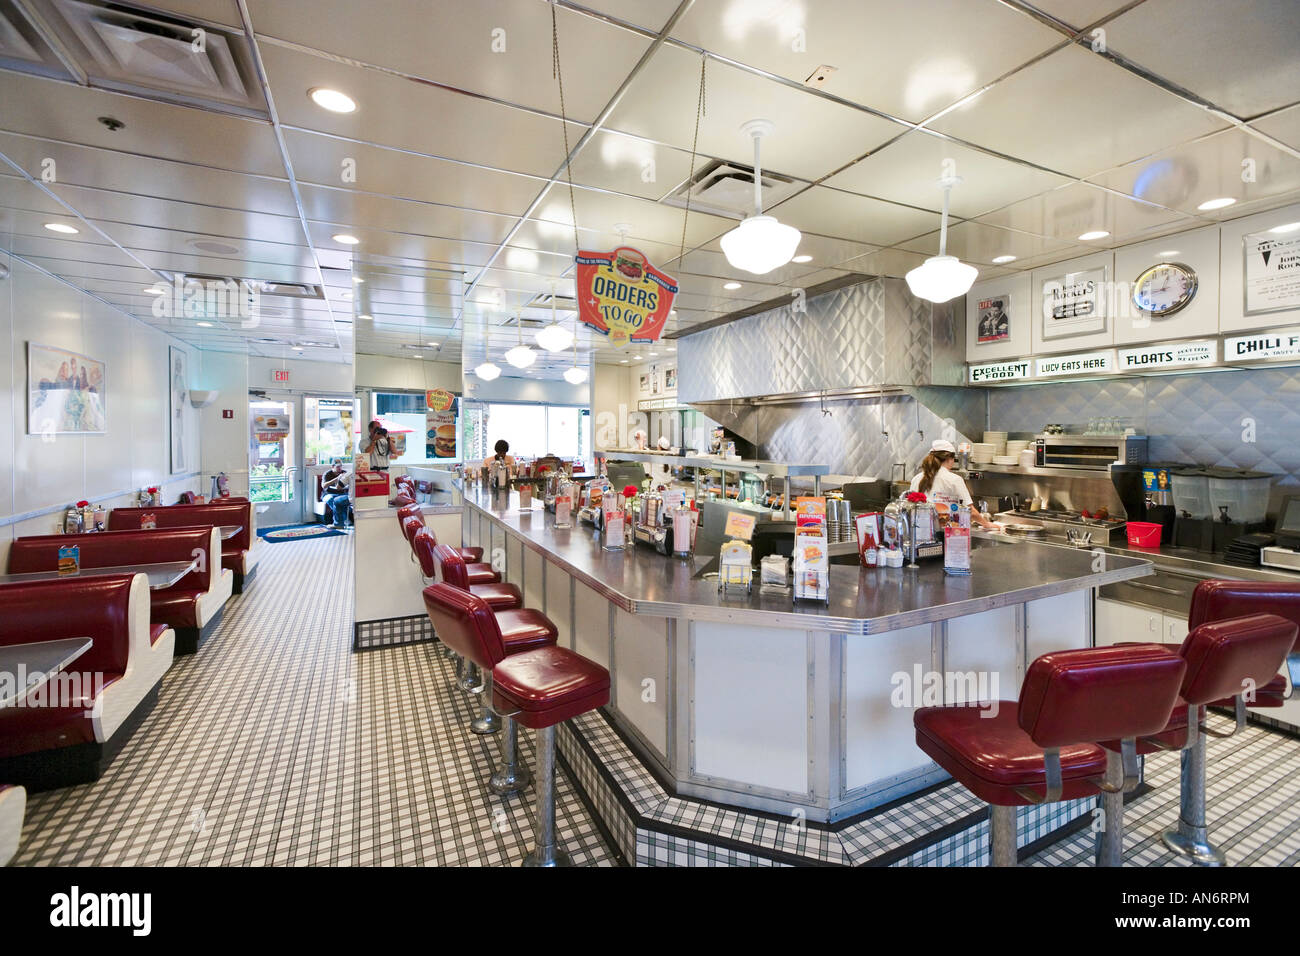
{"type": "Point", "coordinates": [862, 600]}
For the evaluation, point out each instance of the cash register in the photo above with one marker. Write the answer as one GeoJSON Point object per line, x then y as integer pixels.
{"type": "Point", "coordinates": [1286, 553]}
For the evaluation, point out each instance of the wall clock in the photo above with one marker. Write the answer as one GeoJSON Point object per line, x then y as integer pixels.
{"type": "Point", "coordinates": [1164, 288]}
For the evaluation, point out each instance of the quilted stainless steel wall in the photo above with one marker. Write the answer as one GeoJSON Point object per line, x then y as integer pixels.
{"type": "Point", "coordinates": [871, 333]}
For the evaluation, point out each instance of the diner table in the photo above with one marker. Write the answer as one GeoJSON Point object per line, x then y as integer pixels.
{"type": "Point", "coordinates": [162, 574]}
{"type": "Point", "coordinates": [35, 663]}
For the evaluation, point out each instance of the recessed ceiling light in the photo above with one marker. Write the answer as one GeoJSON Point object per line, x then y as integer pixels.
{"type": "Point", "coordinates": [654, 354]}
{"type": "Point", "coordinates": [358, 279]}
{"type": "Point", "coordinates": [346, 239]}
{"type": "Point", "coordinates": [332, 100]}
{"type": "Point", "coordinates": [62, 227]}
{"type": "Point", "coordinates": [346, 295]}
{"type": "Point", "coordinates": [417, 355]}
{"type": "Point", "coordinates": [731, 285]}
{"type": "Point", "coordinates": [204, 325]}
{"type": "Point", "coordinates": [1167, 253]}
{"type": "Point", "coordinates": [1285, 227]}
{"type": "Point", "coordinates": [622, 361]}
{"type": "Point", "coordinates": [1219, 203]}
{"type": "Point", "coordinates": [802, 259]}
{"type": "Point", "coordinates": [366, 317]}
{"type": "Point", "coordinates": [155, 290]}
{"type": "Point", "coordinates": [999, 260]}
{"type": "Point", "coordinates": [1095, 234]}
{"type": "Point", "coordinates": [297, 348]}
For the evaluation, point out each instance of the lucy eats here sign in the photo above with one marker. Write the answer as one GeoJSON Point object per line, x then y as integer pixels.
{"type": "Point", "coordinates": [620, 294]}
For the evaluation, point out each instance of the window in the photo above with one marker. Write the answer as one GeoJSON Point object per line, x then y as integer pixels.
{"type": "Point", "coordinates": [404, 413]}
{"type": "Point", "coordinates": [329, 429]}
{"type": "Point", "coordinates": [536, 430]}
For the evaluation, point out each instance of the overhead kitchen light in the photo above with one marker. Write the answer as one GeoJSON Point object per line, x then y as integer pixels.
{"type": "Point", "coordinates": [942, 277]}
{"type": "Point", "coordinates": [1002, 260]}
{"type": "Point", "coordinates": [155, 290]}
{"type": "Point", "coordinates": [731, 285]}
{"type": "Point", "coordinates": [487, 371]}
{"type": "Point", "coordinates": [1167, 253]}
{"type": "Point", "coordinates": [760, 243]}
{"type": "Point", "coordinates": [332, 100]}
{"type": "Point", "coordinates": [554, 337]}
{"type": "Point", "coordinates": [802, 259]}
{"type": "Point", "coordinates": [62, 227]}
{"type": "Point", "coordinates": [344, 238]}
{"type": "Point", "coordinates": [521, 356]}
{"type": "Point", "coordinates": [1285, 227]}
{"type": "Point", "coordinates": [575, 375]}
{"type": "Point", "coordinates": [1095, 234]}
{"type": "Point", "coordinates": [1219, 203]}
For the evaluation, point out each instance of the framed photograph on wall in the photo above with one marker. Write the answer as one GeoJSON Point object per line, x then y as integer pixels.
{"type": "Point", "coordinates": [670, 379]}
{"type": "Point", "coordinates": [66, 392]}
{"type": "Point", "coordinates": [645, 383]}
{"type": "Point", "coordinates": [178, 378]}
{"type": "Point", "coordinates": [1270, 275]}
{"type": "Point", "coordinates": [656, 383]}
{"type": "Point", "coordinates": [1074, 303]}
{"type": "Point", "coordinates": [994, 318]}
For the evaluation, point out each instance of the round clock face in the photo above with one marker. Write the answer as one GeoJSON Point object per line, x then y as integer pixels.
{"type": "Point", "coordinates": [1164, 288]}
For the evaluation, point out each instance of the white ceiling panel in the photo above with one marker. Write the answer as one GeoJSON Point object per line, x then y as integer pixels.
{"type": "Point", "coordinates": [167, 242]}
{"type": "Point", "coordinates": [661, 105]}
{"type": "Point", "coordinates": [1076, 113]}
{"type": "Point", "coordinates": [633, 166]}
{"type": "Point", "coordinates": [393, 111]}
{"type": "Point", "coordinates": [1067, 213]}
{"type": "Point", "coordinates": [211, 265]}
{"type": "Point", "coordinates": [1283, 125]}
{"type": "Point", "coordinates": [886, 262]}
{"type": "Point", "coordinates": [384, 213]}
{"type": "Point", "coordinates": [342, 164]}
{"type": "Point", "coordinates": [1232, 164]}
{"type": "Point", "coordinates": [601, 212]}
{"type": "Point", "coordinates": [66, 112]}
{"type": "Point", "coordinates": [887, 55]}
{"type": "Point", "coordinates": [979, 244]}
{"type": "Point", "coordinates": [857, 218]}
{"type": "Point", "coordinates": [1080, 13]}
{"type": "Point", "coordinates": [17, 193]}
{"type": "Point", "coordinates": [908, 170]}
{"type": "Point", "coordinates": [503, 47]}
{"type": "Point", "coordinates": [1239, 56]}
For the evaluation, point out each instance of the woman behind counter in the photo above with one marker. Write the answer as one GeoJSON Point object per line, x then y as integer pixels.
{"type": "Point", "coordinates": [939, 484]}
{"type": "Point", "coordinates": [502, 449]}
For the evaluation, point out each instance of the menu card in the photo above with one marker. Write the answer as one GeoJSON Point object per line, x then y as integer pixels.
{"type": "Point", "coordinates": [956, 543]}
{"type": "Point", "coordinates": [148, 521]}
{"type": "Point", "coordinates": [811, 554]}
{"type": "Point", "coordinates": [69, 559]}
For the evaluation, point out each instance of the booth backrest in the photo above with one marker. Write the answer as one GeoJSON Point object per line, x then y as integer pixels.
{"type": "Point", "coordinates": [1099, 693]}
{"type": "Point", "coordinates": [112, 610]}
{"type": "Point", "coordinates": [111, 549]}
{"type": "Point", "coordinates": [1224, 658]}
{"type": "Point", "coordinates": [1220, 600]}
{"type": "Point", "coordinates": [223, 511]}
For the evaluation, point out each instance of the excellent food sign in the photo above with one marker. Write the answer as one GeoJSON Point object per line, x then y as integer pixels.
{"type": "Point", "coordinates": [620, 294]}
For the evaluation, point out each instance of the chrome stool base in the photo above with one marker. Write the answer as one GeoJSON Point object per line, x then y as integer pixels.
{"type": "Point", "coordinates": [1194, 846]}
{"type": "Point", "coordinates": [505, 783]}
{"type": "Point", "coordinates": [511, 776]}
{"type": "Point", "coordinates": [558, 858]}
{"type": "Point", "coordinates": [485, 725]}
{"type": "Point", "coordinates": [470, 680]}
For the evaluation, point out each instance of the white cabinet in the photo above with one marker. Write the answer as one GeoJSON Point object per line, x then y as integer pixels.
{"type": "Point", "coordinates": [1115, 623]}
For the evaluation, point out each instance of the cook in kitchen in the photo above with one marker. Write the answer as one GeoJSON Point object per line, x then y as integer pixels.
{"type": "Point", "coordinates": [940, 485]}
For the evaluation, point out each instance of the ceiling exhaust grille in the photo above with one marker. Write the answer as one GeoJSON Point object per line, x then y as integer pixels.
{"type": "Point", "coordinates": [727, 189]}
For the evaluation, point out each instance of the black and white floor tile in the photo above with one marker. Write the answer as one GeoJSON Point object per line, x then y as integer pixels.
{"type": "Point", "coordinates": [276, 745]}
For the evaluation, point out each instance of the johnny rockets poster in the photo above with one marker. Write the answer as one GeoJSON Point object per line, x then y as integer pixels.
{"type": "Point", "coordinates": [620, 294]}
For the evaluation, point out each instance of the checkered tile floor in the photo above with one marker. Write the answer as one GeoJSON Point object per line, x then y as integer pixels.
{"type": "Point", "coordinates": [275, 745]}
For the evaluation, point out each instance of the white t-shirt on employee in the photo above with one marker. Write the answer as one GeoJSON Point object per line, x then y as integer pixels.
{"type": "Point", "coordinates": [946, 485]}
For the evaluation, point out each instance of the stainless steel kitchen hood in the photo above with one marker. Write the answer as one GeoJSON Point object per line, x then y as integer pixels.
{"type": "Point", "coordinates": [870, 337]}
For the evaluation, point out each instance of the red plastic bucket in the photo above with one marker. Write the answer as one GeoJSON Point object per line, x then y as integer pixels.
{"type": "Point", "coordinates": [1143, 534]}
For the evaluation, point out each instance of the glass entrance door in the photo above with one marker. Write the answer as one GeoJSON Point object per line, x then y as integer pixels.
{"type": "Point", "coordinates": [275, 483]}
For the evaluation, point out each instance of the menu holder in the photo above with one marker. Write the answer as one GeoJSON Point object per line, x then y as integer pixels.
{"type": "Point", "coordinates": [811, 566]}
{"type": "Point", "coordinates": [735, 566]}
{"type": "Point", "coordinates": [525, 495]}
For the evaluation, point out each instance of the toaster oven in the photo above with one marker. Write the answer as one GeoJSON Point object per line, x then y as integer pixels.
{"type": "Point", "coordinates": [1097, 452]}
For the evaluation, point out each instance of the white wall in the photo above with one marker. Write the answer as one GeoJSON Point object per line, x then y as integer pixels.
{"type": "Point", "coordinates": [381, 372]}
{"type": "Point", "coordinates": [304, 376]}
{"type": "Point", "coordinates": [612, 392]}
{"type": "Point", "coordinates": [52, 471]}
{"type": "Point", "coordinates": [225, 440]}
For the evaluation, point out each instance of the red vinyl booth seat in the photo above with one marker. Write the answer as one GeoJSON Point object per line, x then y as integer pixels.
{"type": "Point", "coordinates": [237, 553]}
{"type": "Point", "coordinates": [103, 693]}
{"type": "Point", "coordinates": [192, 606]}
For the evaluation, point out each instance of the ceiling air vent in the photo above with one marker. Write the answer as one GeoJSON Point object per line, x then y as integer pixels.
{"type": "Point", "coordinates": [133, 49]}
{"type": "Point", "coordinates": [291, 290]}
{"type": "Point", "coordinates": [727, 189]}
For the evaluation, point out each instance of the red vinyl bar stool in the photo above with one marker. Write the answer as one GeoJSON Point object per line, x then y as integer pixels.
{"type": "Point", "coordinates": [1223, 657]}
{"type": "Point", "coordinates": [1044, 749]}
{"type": "Point", "coordinates": [471, 555]}
{"type": "Point", "coordinates": [1221, 600]}
{"type": "Point", "coordinates": [436, 565]}
{"type": "Point", "coordinates": [488, 637]}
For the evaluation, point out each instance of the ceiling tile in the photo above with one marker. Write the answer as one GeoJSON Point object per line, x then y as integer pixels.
{"type": "Point", "coordinates": [1242, 57]}
{"type": "Point", "coordinates": [1067, 213]}
{"type": "Point", "coordinates": [979, 244]}
{"type": "Point", "coordinates": [1080, 13]}
{"type": "Point", "coordinates": [1078, 114]}
{"type": "Point", "coordinates": [887, 55]}
{"type": "Point", "coordinates": [384, 213]}
{"type": "Point", "coordinates": [857, 218]}
{"type": "Point", "coordinates": [1283, 125]}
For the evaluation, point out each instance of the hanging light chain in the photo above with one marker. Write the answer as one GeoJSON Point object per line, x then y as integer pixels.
{"type": "Point", "coordinates": [558, 74]}
{"type": "Point", "coordinates": [701, 108]}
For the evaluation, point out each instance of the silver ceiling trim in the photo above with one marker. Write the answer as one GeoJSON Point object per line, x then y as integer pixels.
{"type": "Point", "coordinates": [262, 79]}
{"type": "Point", "coordinates": [51, 38]}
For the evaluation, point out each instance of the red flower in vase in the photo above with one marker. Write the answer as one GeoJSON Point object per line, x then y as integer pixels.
{"type": "Point", "coordinates": [630, 491]}
{"type": "Point", "coordinates": [916, 497]}
{"type": "Point", "coordinates": [83, 504]}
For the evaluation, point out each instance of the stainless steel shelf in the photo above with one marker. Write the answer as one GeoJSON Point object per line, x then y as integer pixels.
{"type": "Point", "coordinates": [775, 469]}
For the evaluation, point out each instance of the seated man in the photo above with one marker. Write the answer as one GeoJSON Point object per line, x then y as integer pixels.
{"type": "Point", "coordinates": [334, 487]}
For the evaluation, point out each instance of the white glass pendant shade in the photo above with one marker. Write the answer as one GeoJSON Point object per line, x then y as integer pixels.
{"type": "Point", "coordinates": [487, 371]}
{"type": "Point", "coordinates": [575, 375]}
{"type": "Point", "coordinates": [760, 244]}
{"type": "Point", "coordinates": [554, 338]}
{"type": "Point", "coordinates": [521, 356]}
{"type": "Point", "coordinates": [941, 278]}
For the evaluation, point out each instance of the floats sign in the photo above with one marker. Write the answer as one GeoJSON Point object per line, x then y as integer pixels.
{"type": "Point", "coordinates": [620, 294]}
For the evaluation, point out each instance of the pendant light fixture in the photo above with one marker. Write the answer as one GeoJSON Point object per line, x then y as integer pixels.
{"type": "Point", "coordinates": [521, 356]}
{"type": "Point", "coordinates": [487, 371]}
{"type": "Point", "coordinates": [760, 243]}
{"type": "Point", "coordinates": [574, 375]}
{"type": "Point", "coordinates": [554, 337]}
{"type": "Point", "coordinates": [942, 277]}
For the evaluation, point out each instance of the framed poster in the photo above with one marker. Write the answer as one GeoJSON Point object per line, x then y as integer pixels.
{"type": "Point", "coordinates": [656, 383]}
{"type": "Point", "coordinates": [670, 379]}
{"type": "Point", "coordinates": [178, 375]}
{"type": "Point", "coordinates": [1074, 303]}
{"type": "Point", "coordinates": [441, 411]}
{"type": "Point", "coordinates": [994, 319]}
{"type": "Point", "coordinates": [645, 383]}
{"type": "Point", "coordinates": [1271, 272]}
{"type": "Point", "coordinates": [66, 392]}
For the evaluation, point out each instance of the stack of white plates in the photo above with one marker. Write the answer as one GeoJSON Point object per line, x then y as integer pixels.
{"type": "Point", "coordinates": [1014, 448]}
{"type": "Point", "coordinates": [1006, 459]}
{"type": "Point", "coordinates": [998, 440]}
{"type": "Point", "coordinates": [982, 453]}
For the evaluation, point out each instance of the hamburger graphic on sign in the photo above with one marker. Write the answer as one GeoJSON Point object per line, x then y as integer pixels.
{"type": "Point", "coordinates": [440, 423]}
{"type": "Point", "coordinates": [620, 294]}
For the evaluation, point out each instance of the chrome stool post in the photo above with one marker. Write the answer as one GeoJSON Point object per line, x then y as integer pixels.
{"type": "Point", "coordinates": [1190, 839]}
{"type": "Point", "coordinates": [486, 722]}
{"type": "Point", "coordinates": [1002, 836]}
{"type": "Point", "coordinates": [511, 776]}
{"type": "Point", "coordinates": [545, 851]}
{"type": "Point", "coordinates": [471, 681]}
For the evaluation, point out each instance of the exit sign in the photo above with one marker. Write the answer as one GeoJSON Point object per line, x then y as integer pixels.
{"type": "Point", "coordinates": [280, 375]}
